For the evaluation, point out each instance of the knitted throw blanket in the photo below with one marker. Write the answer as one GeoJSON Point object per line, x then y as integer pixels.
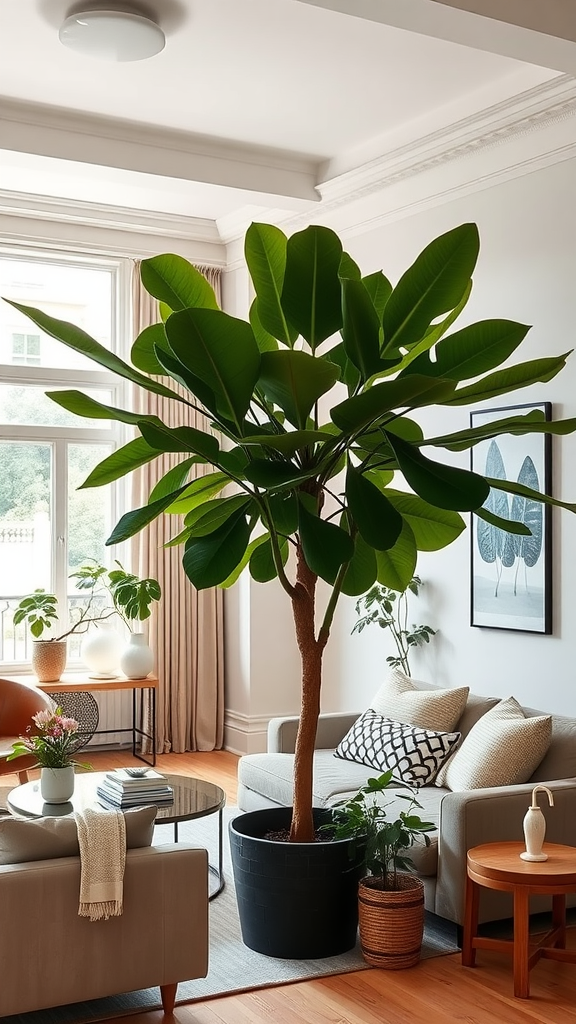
{"type": "Point", "coordinates": [102, 842]}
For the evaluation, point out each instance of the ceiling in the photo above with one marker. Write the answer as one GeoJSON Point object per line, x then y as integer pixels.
{"type": "Point", "coordinates": [252, 104]}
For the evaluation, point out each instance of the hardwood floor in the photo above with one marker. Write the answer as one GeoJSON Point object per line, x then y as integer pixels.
{"type": "Point", "coordinates": [437, 991]}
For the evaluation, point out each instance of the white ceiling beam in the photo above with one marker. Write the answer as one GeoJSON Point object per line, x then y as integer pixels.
{"type": "Point", "coordinates": [540, 32]}
{"type": "Point", "coordinates": [107, 142]}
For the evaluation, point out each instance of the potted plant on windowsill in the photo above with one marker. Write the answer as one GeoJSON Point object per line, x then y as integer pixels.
{"type": "Point", "coordinates": [39, 610]}
{"type": "Point", "coordinates": [315, 429]}
{"type": "Point", "coordinates": [131, 598]}
{"type": "Point", "coordinates": [391, 900]}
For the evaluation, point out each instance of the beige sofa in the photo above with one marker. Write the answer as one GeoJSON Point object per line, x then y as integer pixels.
{"type": "Point", "coordinates": [50, 956]}
{"type": "Point", "coordinates": [463, 819]}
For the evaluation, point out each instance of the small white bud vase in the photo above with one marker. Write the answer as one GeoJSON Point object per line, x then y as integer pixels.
{"type": "Point", "coordinates": [137, 660]}
{"type": "Point", "coordinates": [57, 784]}
{"type": "Point", "coordinates": [535, 828]}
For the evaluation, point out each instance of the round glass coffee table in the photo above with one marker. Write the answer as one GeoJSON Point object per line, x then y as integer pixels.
{"type": "Point", "coordinates": [193, 798]}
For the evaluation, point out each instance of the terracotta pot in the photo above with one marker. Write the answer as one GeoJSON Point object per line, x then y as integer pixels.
{"type": "Point", "coordinates": [391, 922]}
{"type": "Point", "coordinates": [48, 660]}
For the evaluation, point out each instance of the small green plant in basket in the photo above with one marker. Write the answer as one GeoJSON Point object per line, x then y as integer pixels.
{"type": "Point", "coordinates": [365, 818]}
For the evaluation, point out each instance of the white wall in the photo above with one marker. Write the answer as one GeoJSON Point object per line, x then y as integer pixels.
{"type": "Point", "coordinates": [526, 272]}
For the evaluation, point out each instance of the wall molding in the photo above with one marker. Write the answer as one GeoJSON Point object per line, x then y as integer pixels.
{"type": "Point", "coordinates": [245, 734]}
{"type": "Point", "coordinates": [544, 105]}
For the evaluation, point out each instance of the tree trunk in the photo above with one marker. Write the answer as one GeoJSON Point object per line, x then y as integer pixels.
{"type": "Point", "coordinates": [311, 651]}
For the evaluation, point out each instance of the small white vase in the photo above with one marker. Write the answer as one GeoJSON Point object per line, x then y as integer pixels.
{"type": "Point", "coordinates": [57, 784]}
{"type": "Point", "coordinates": [101, 652]}
{"type": "Point", "coordinates": [535, 827]}
{"type": "Point", "coordinates": [137, 660]}
{"type": "Point", "coordinates": [534, 832]}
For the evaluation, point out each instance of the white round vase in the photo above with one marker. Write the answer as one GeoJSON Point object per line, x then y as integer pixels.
{"type": "Point", "coordinates": [534, 832]}
{"type": "Point", "coordinates": [101, 652]}
{"type": "Point", "coordinates": [137, 660]}
{"type": "Point", "coordinates": [57, 784]}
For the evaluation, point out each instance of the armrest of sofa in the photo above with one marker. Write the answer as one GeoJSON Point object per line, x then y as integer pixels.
{"type": "Point", "coordinates": [479, 816]}
{"type": "Point", "coordinates": [331, 729]}
{"type": "Point", "coordinates": [160, 938]}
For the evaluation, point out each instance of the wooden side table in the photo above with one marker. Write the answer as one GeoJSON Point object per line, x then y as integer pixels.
{"type": "Point", "coordinates": [498, 866]}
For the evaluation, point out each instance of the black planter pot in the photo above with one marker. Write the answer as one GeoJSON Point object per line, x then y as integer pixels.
{"type": "Point", "coordinates": [298, 901]}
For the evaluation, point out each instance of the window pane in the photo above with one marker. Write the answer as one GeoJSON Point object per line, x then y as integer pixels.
{"type": "Point", "coordinates": [82, 295]}
{"type": "Point", "coordinates": [89, 511]}
{"type": "Point", "coordinates": [25, 535]}
{"type": "Point", "coordinates": [89, 524]}
{"type": "Point", "coordinates": [21, 405]}
{"type": "Point", "coordinates": [25, 514]}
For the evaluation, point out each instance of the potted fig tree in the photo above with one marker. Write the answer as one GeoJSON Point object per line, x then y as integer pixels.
{"type": "Point", "coordinates": [310, 403]}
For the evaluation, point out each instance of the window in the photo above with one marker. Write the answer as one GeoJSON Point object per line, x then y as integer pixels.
{"type": "Point", "coordinates": [49, 525]}
{"type": "Point", "coordinates": [26, 349]}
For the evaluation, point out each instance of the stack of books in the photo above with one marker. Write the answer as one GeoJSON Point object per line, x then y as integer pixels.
{"type": "Point", "coordinates": [122, 790]}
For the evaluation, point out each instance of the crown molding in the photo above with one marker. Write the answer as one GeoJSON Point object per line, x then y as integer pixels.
{"type": "Point", "coordinates": [528, 112]}
{"type": "Point", "coordinates": [103, 215]}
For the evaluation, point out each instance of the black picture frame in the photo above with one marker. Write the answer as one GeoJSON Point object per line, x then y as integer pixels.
{"type": "Point", "coordinates": [510, 575]}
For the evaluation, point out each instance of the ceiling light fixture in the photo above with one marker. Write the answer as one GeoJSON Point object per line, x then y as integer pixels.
{"type": "Point", "coordinates": [112, 35]}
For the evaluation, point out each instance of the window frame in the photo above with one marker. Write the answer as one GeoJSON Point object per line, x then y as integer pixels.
{"type": "Point", "coordinates": [60, 437]}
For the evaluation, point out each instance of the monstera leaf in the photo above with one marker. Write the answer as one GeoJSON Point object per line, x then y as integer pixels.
{"type": "Point", "coordinates": [529, 512]}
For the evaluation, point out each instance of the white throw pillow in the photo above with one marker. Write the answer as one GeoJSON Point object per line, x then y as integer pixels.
{"type": "Point", "coordinates": [413, 754]}
{"type": "Point", "coordinates": [401, 701]}
{"type": "Point", "coordinates": [504, 748]}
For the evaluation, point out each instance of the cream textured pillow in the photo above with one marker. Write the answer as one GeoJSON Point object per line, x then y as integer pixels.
{"type": "Point", "coordinates": [400, 700]}
{"type": "Point", "coordinates": [504, 748]}
{"type": "Point", "coordinates": [25, 839]}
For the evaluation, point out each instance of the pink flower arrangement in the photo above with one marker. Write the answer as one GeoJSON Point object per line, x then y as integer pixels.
{"type": "Point", "coordinates": [52, 742]}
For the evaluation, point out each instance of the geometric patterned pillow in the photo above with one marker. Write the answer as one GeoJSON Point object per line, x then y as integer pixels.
{"type": "Point", "coordinates": [414, 754]}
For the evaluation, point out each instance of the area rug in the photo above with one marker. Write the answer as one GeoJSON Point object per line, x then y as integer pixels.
{"type": "Point", "coordinates": [233, 967]}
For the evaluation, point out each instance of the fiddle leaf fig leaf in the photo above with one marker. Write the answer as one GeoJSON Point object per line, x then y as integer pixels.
{"type": "Point", "coordinates": [433, 285]}
{"type": "Point", "coordinates": [208, 561]}
{"type": "Point", "coordinates": [326, 546]}
{"type": "Point", "coordinates": [174, 281]}
{"type": "Point", "coordinates": [222, 351]}
{"type": "Point", "coordinates": [311, 293]}
{"type": "Point", "coordinates": [445, 486]}
{"type": "Point", "coordinates": [295, 381]}
{"type": "Point", "coordinates": [377, 520]}
{"type": "Point", "coordinates": [360, 329]}
{"type": "Point", "coordinates": [265, 252]}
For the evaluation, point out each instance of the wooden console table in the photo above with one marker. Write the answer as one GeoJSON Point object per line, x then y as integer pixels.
{"type": "Point", "coordinates": [79, 682]}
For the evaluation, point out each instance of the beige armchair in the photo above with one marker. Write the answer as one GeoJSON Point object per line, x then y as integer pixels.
{"type": "Point", "coordinates": [18, 702]}
{"type": "Point", "coordinates": [161, 937]}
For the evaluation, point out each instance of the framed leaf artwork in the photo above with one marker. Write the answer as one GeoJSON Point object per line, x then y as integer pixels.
{"type": "Point", "coordinates": [511, 586]}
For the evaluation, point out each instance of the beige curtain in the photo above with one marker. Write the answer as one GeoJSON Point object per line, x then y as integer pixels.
{"type": "Point", "coordinates": [186, 629]}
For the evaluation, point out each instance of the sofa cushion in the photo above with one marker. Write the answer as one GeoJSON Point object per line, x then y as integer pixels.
{"type": "Point", "coordinates": [413, 754]}
{"type": "Point", "coordinates": [399, 699]}
{"type": "Point", "coordinates": [504, 748]}
{"type": "Point", "coordinates": [28, 839]}
{"type": "Point", "coordinates": [560, 760]}
{"type": "Point", "coordinates": [272, 775]}
{"type": "Point", "coordinates": [476, 706]}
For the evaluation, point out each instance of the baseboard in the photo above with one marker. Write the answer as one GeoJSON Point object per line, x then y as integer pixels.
{"type": "Point", "coordinates": [244, 734]}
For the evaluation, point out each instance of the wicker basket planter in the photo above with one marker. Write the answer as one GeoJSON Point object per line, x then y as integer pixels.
{"type": "Point", "coordinates": [391, 922]}
{"type": "Point", "coordinates": [48, 660]}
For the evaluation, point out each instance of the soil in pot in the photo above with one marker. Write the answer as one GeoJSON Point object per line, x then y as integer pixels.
{"type": "Point", "coordinates": [391, 922]}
